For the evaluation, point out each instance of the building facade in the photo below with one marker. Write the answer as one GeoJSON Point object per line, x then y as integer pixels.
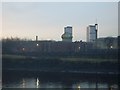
{"type": "Point", "coordinates": [107, 43]}
{"type": "Point", "coordinates": [67, 36]}
{"type": "Point", "coordinates": [92, 33]}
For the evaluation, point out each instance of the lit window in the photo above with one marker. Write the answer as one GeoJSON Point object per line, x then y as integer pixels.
{"type": "Point", "coordinates": [37, 45]}
{"type": "Point", "coordinates": [23, 49]}
{"type": "Point", "coordinates": [111, 47]}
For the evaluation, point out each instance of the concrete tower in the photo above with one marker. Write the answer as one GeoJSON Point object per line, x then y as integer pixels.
{"type": "Point", "coordinates": [92, 33]}
{"type": "Point", "coordinates": [67, 36]}
{"type": "Point", "coordinates": [36, 38]}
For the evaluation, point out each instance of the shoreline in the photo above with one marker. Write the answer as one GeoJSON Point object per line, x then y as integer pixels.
{"type": "Point", "coordinates": [61, 72]}
{"type": "Point", "coordinates": [61, 76]}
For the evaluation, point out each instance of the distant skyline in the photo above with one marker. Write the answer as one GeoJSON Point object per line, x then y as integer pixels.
{"type": "Point", "coordinates": [48, 19]}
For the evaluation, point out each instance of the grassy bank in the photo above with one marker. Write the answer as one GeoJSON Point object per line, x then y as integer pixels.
{"type": "Point", "coordinates": [18, 62]}
{"type": "Point", "coordinates": [70, 58]}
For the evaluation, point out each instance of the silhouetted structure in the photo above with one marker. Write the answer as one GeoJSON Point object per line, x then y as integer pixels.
{"type": "Point", "coordinates": [36, 38]}
{"type": "Point", "coordinates": [101, 46]}
{"type": "Point", "coordinates": [67, 36]}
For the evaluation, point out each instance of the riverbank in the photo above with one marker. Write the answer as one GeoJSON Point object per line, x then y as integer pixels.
{"type": "Point", "coordinates": [63, 69]}
{"type": "Point", "coordinates": [61, 64]}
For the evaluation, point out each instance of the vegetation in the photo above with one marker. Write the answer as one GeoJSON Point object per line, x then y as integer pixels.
{"type": "Point", "coordinates": [86, 60]}
{"type": "Point", "coordinates": [58, 64]}
{"type": "Point", "coordinates": [15, 39]}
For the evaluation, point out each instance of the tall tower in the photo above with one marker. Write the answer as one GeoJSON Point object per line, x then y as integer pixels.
{"type": "Point", "coordinates": [96, 29]}
{"type": "Point", "coordinates": [36, 38]}
{"type": "Point", "coordinates": [92, 33]}
{"type": "Point", "coordinates": [67, 36]}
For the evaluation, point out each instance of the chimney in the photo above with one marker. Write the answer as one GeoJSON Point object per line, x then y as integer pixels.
{"type": "Point", "coordinates": [36, 38]}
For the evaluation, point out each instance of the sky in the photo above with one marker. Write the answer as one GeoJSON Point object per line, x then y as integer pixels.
{"type": "Point", "coordinates": [48, 19]}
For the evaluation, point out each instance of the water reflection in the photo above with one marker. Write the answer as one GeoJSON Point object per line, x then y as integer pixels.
{"type": "Point", "coordinates": [30, 83]}
{"type": "Point", "coordinates": [37, 83]}
{"type": "Point", "coordinates": [62, 82]}
{"type": "Point", "coordinates": [23, 83]}
{"type": "Point", "coordinates": [78, 87]}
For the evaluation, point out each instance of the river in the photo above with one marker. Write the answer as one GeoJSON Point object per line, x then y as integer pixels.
{"type": "Point", "coordinates": [58, 81]}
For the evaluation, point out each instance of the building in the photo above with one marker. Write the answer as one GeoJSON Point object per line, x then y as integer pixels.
{"type": "Point", "coordinates": [101, 46]}
{"type": "Point", "coordinates": [107, 43]}
{"type": "Point", "coordinates": [92, 33]}
{"type": "Point", "coordinates": [36, 38]}
{"type": "Point", "coordinates": [67, 36]}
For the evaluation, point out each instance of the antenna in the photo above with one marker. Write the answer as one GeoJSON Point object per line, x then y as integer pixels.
{"type": "Point", "coordinates": [96, 20]}
{"type": "Point", "coordinates": [96, 26]}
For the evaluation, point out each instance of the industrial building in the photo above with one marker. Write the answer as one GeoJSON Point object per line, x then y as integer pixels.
{"type": "Point", "coordinates": [67, 36]}
{"type": "Point", "coordinates": [107, 43]}
{"type": "Point", "coordinates": [92, 33]}
{"type": "Point", "coordinates": [66, 46]}
{"type": "Point", "coordinates": [59, 47]}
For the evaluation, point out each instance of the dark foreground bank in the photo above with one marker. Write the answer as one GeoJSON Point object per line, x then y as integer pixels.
{"type": "Point", "coordinates": [66, 70]}
{"type": "Point", "coordinates": [60, 64]}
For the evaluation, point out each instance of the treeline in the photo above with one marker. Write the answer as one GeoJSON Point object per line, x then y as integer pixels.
{"type": "Point", "coordinates": [15, 39]}
{"type": "Point", "coordinates": [25, 47]}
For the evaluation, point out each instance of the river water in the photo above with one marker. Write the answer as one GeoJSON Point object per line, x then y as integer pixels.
{"type": "Point", "coordinates": [61, 81]}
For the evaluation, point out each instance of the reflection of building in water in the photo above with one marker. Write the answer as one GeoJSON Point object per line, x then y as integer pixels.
{"type": "Point", "coordinates": [78, 87]}
{"type": "Point", "coordinates": [67, 36]}
{"type": "Point", "coordinates": [23, 83]}
{"type": "Point", "coordinates": [37, 83]}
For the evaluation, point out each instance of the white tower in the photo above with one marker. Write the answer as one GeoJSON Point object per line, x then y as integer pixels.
{"type": "Point", "coordinates": [92, 33]}
{"type": "Point", "coordinates": [67, 36]}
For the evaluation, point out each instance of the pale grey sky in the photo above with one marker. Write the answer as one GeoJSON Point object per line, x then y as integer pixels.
{"type": "Point", "coordinates": [47, 19]}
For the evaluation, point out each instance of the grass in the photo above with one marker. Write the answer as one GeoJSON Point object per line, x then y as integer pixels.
{"type": "Point", "coordinates": [13, 56]}
{"type": "Point", "coordinates": [94, 60]}
{"type": "Point", "coordinates": [71, 59]}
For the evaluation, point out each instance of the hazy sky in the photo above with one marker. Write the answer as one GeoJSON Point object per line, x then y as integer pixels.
{"type": "Point", "coordinates": [47, 19]}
